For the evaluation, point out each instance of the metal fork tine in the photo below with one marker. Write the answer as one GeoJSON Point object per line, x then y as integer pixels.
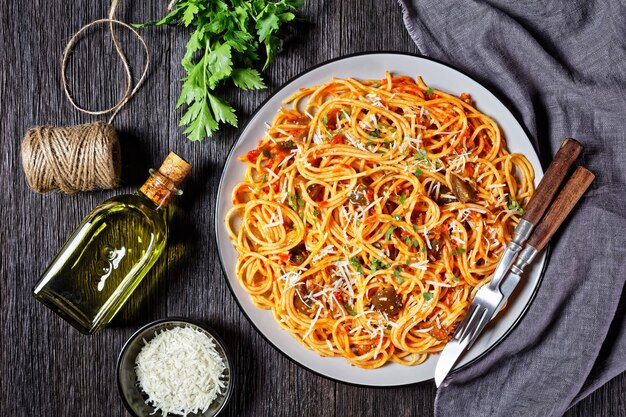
{"type": "Point", "coordinates": [484, 319]}
{"type": "Point", "coordinates": [467, 322]}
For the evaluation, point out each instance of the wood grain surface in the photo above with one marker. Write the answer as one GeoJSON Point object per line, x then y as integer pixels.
{"type": "Point", "coordinates": [48, 368]}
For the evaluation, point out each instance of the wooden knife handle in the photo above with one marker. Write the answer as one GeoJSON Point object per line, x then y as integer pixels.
{"type": "Point", "coordinates": [562, 206]}
{"type": "Point", "coordinates": [549, 184]}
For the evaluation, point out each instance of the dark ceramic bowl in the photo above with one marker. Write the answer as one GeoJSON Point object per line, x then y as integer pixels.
{"type": "Point", "coordinates": [135, 399]}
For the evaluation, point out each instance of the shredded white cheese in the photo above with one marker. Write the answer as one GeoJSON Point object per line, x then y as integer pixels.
{"type": "Point", "coordinates": [180, 370]}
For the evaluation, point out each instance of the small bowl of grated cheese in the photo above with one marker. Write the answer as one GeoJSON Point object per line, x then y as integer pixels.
{"type": "Point", "coordinates": [175, 367]}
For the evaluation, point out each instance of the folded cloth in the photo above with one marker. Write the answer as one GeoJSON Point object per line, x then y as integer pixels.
{"type": "Point", "coordinates": [561, 65]}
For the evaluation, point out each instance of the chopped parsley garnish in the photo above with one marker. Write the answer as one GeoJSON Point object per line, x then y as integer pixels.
{"type": "Point", "coordinates": [418, 172]}
{"type": "Point", "coordinates": [408, 262]}
{"type": "Point", "coordinates": [402, 198]}
{"type": "Point", "coordinates": [289, 145]}
{"type": "Point", "coordinates": [316, 213]}
{"type": "Point", "coordinates": [325, 120]}
{"type": "Point", "coordinates": [422, 155]}
{"type": "Point", "coordinates": [397, 273]}
{"type": "Point", "coordinates": [376, 264]}
{"type": "Point", "coordinates": [423, 249]}
{"type": "Point", "coordinates": [354, 261]}
{"type": "Point", "coordinates": [514, 205]}
{"type": "Point", "coordinates": [429, 92]}
{"type": "Point", "coordinates": [397, 217]}
{"type": "Point", "coordinates": [264, 179]}
{"type": "Point", "coordinates": [407, 240]}
{"type": "Point", "coordinates": [389, 232]}
{"type": "Point", "coordinates": [427, 296]}
{"type": "Point", "coordinates": [455, 279]}
{"type": "Point", "coordinates": [268, 154]}
{"type": "Point", "coordinates": [351, 312]}
{"type": "Point", "coordinates": [375, 85]}
{"type": "Point", "coordinates": [292, 201]}
{"type": "Point", "coordinates": [460, 251]}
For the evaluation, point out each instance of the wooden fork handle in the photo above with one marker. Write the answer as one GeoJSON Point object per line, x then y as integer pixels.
{"type": "Point", "coordinates": [568, 152]}
{"type": "Point", "coordinates": [562, 206]}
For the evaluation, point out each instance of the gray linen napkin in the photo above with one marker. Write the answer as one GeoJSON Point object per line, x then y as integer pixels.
{"type": "Point", "coordinates": [561, 65]}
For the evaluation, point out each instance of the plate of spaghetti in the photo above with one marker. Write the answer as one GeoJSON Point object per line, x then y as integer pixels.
{"type": "Point", "coordinates": [363, 206]}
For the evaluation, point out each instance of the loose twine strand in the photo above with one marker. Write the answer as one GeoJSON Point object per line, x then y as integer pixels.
{"type": "Point", "coordinates": [129, 91]}
{"type": "Point", "coordinates": [84, 157]}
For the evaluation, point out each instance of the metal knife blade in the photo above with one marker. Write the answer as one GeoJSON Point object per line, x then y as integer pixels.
{"type": "Point", "coordinates": [454, 349]}
{"type": "Point", "coordinates": [448, 357]}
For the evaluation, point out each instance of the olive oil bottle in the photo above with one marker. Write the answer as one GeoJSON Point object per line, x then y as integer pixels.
{"type": "Point", "coordinates": [111, 250]}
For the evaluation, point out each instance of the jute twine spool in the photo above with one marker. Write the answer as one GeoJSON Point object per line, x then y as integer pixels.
{"type": "Point", "coordinates": [72, 159]}
{"type": "Point", "coordinates": [84, 157]}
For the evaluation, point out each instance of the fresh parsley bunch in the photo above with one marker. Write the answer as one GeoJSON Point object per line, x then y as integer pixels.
{"type": "Point", "coordinates": [229, 38]}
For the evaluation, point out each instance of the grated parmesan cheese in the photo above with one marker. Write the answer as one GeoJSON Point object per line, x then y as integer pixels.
{"type": "Point", "coordinates": [180, 370]}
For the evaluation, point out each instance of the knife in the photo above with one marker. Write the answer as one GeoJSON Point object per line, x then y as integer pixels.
{"type": "Point", "coordinates": [488, 301]}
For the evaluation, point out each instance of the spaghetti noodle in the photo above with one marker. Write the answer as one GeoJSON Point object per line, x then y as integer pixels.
{"type": "Point", "coordinates": [371, 212]}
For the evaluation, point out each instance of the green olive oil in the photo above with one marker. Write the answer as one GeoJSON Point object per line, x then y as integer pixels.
{"type": "Point", "coordinates": [110, 252]}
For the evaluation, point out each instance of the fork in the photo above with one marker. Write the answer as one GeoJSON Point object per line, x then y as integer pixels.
{"type": "Point", "coordinates": [489, 299]}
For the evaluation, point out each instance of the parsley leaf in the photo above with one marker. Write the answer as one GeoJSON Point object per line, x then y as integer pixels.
{"type": "Point", "coordinates": [514, 205]}
{"type": "Point", "coordinates": [228, 39]}
{"type": "Point", "coordinates": [427, 296]}
{"type": "Point", "coordinates": [351, 312]}
{"type": "Point", "coordinates": [389, 232]}
{"type": "Point", "coordinates": [418, 172]}
{"type": "Point", "coordinates": [460, 251]}
{"type": "Point", "coordinates": [247, 78]}
{"type": "Point", "coordinates": [375, 264]}
{"type": "Point", "coordinates": [422, 156]}
{"type": "Point", "coordinates": [354, 261]}
{"type": "Point", "coordinates": [429, 92]}
{"type": "Point", "coordinates": [292, 202]}
{"type": "Point", "coordinates": [222, 110]}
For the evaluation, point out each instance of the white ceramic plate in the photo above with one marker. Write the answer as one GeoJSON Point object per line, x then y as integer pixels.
{"type": "Point", "coordinates": [371, 66]}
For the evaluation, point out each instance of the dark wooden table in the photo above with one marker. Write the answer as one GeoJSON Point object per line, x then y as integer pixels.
{"type": "Point", "coordinates": [48, 368]}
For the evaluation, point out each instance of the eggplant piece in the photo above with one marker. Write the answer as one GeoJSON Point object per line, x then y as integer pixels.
{"type": "Point", "coordinates": [358, 195]}
{"type": "Point", "coordinates": [298, 254]}
{"type": "Point", "coordinates": [463, 191]}
{"type": "Point", "coordinates": [386, 300]}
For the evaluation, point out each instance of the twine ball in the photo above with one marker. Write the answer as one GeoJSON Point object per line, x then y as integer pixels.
{"type": "Point", "coordinates": [72, 158]}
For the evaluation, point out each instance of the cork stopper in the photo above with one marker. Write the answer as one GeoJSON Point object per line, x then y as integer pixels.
{"type": "Point", "coordinates": [163, 183]}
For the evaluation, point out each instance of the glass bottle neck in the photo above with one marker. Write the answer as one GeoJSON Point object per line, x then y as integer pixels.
{"type": "Point", "coordinates": [159, 189]}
